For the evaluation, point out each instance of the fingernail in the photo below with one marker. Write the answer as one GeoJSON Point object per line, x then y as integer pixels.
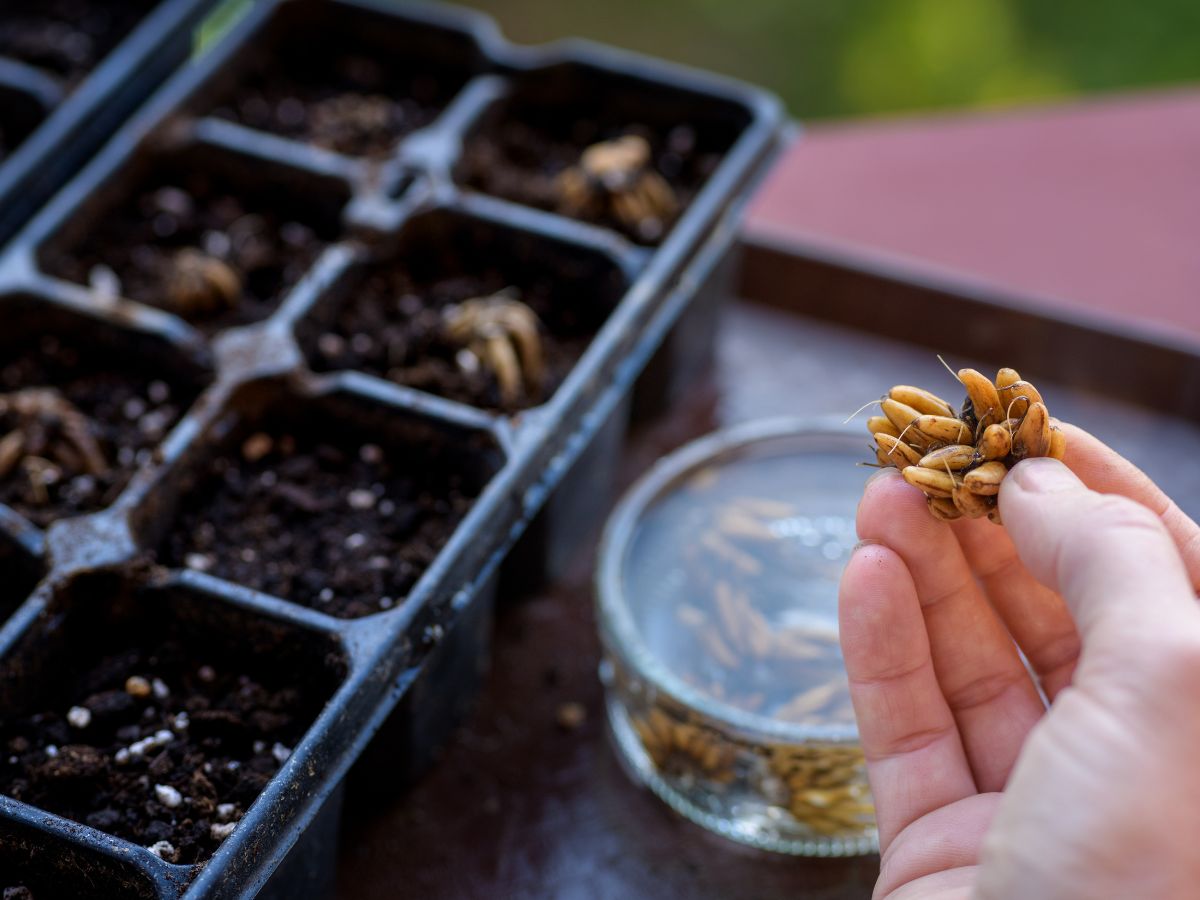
{"type": "Point", "coordinates": [1043, 476]}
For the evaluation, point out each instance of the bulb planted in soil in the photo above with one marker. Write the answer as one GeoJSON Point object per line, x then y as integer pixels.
{"type": "Point", "coordinates": [473, 314]}
{"type": "Point", "coordinates": [73, 429]}
{"type": "Point", "coordinates": [200, 246]}
{"type": "Point", "coordinates": [628, 175]}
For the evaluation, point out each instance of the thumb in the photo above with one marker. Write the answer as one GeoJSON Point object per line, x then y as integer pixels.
{"type": "Point", "coordinates": [1109, 557]}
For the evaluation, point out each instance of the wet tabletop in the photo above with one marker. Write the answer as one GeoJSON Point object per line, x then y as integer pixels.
{"type": "Point", "coordinates": [529, 799]}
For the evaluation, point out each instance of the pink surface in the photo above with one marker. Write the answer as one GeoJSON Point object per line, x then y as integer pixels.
{"type": "Point", "coordinates": [1094, 205]}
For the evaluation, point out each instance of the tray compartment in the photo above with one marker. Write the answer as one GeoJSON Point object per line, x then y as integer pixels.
{"type": "Point", "coordinates": [389, 317]}
{"type": "Point", "coordinates": [335, 502]}
{"type": "Point", "coordinates": [130, 385]}
{"type": "Point", "coordinates": [349, 79]}
{"type": "Point", "coordinates": [46, 866]}
{"type": "Point", "coordinates": [177, 226]}
{"type": "Point", "coordinates": [222, 697]}
{"type": "Point", "coordinates": [525, 140]}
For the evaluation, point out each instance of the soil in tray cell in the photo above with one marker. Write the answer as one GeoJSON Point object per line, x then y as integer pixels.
{"type": "Point", "coordinates": [34, 867]}
{"type": "Point", "coordinates": [66, 37]}
{"type": "Point", "coordinates": [156, 731]}
{"type": "Point", "coordinates": [215, 250]}
{"type": "Point", "coordinates": [18, 575]}
{"type": "Point", "coordinates": [321, 517]}
{"type": "Point", "coordinates": [341, 95]}
{"type": "Point", "coordinates": [468, 312]}
{"type": "Point", "coordinates": [593, 156]}
{"type": "Point", "coordinates": [75, 425]}
{"type": "Point", "coordinates": [19, 115]}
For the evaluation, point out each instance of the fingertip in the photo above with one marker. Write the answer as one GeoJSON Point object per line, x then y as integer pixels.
{"type": "Point", "coordinates": [875, 592]}
{"type": "Point", "coordinates": [868, 560]}
{"type": "Point", "coordinates": [879, 479]}
{"type": "Point", "coordinates": [887, 497]}
{"type": "Point", "coordinates": [865, 580]}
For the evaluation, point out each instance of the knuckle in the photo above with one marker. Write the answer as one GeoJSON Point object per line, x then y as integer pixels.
{"type": "Point", "coordinates": [983, 689]}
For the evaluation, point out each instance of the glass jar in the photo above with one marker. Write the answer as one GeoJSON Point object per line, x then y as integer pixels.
{"type": "Point", "coordinates": [717, 605]}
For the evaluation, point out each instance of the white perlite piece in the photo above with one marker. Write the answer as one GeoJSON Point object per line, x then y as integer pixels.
{"type": "Point", "coordinates": [164, 850]}
{"type": "Point", "coordinates": [167, 795]}
{"type": "Point", "coordinates": [160, 689]}
{"type": "Point", "coordinates": [360, 498]}
{"type": "Point", "coordinates": [221, 830]}
{"type": "Point", "coordinates": [281, 753]}
{"type": "Point", "coordinates": [226, 811]}
{"type": "Point", "coordinates": [201, 562]}
{"type": "Point", "coordinates": [79, 717]}
{"type": "Point", "coordinates": [160, 738]}
{"type": "Point", "coordinates": [105, 283]}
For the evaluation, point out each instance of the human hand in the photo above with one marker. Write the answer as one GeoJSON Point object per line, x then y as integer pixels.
{"type": "Point", "coordinates": [980, 790]}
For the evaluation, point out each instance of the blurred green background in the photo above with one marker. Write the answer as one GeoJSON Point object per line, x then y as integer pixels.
{"type": "Point", "coordinates": [862, 57]}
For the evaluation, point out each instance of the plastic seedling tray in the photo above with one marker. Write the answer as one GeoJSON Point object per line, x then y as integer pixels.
{"type": "Point", "coordinates": [276, 257]}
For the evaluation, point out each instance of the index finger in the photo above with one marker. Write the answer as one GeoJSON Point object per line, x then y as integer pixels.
{"type": "Point", "coordinates": [1110, 558]}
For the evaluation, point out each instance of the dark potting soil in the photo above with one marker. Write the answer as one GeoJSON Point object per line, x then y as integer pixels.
{"type": "Point", "coordinates": [18, 575]}
{"type": "Point", "coordinates": [266, 243]}
{"type": "Point", "coordinates": [392, 326]}
{"type": "Point", "coordinates": [20, 114]}
{"type": "Point", "coordinates": [66, 37]}
{"type": "Point", "coordinates": [153, 743]}
{"type": "Point", "coordinates": [520, 159]}
{"type": "Point", "coordinates": [126, 414]}
{"type": "Point", "coordinates": [351, 103]}
{"type": "Point", "coordinates": [345, 527]}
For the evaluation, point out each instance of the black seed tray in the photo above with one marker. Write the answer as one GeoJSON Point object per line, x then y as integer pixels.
{"type": "Point", "coordinates": [305, 502]}
{"type": "Point", "coordinates": [71, 71]}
